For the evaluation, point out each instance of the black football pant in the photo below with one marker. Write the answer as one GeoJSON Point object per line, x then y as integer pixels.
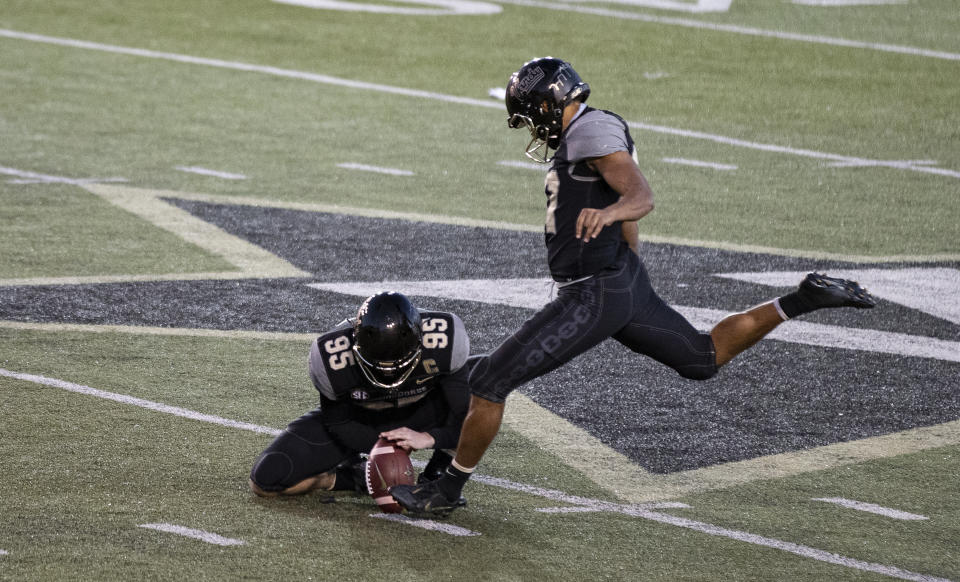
{"type": "Point", "coordinates": [619, 303]}
{"type": "Point", "coordinates": [306, 448]}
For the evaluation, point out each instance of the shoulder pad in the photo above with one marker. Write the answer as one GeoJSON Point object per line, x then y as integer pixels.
{"type": "Point", "coordinates": [333, 367]}
{"type": "Point", "coordinates": [445, 341]}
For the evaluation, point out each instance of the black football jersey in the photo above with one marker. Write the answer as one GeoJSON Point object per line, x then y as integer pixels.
{"type": "Point", "coordinates": [336, 375]}
{"type": "Point", "coordinates": [571, 185]}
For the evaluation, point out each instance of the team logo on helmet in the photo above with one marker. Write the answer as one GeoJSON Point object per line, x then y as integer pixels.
{"type": "Point", "coordinates": [530, 80]}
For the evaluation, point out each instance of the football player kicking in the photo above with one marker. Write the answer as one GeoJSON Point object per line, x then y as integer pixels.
{"type": "Point", "coordinates": [595, 195]}
{"type": "Point", "coordinates": [393, 372]}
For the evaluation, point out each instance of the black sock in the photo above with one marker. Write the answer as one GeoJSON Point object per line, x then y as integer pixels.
{"type": "Point", "coordinates": [792, 305]}
{"type": "Point", "coordinates": [437, 464]}
{"type": "Point", "coordinates": [452, 482]}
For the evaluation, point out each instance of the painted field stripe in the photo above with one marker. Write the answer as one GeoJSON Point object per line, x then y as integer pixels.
{"type": "Point", "coordinates": [428, 524]}
{"type": "Point", "coordinates": [35, 178]}
{"type": "Point", "coordinates": [852, 161]}
{"type": "Point", "coordinates": [197, 534]}
{"type": "Point", "coordinates": [159, 331]}
{"type": "Point", "coordinates": [375, 169]}
{"type": "Point", "coordinates": [249, 258]}
{"type": "Point", "coordinates": [641, 510]}
{"type": "Point", "coordinates": [361, 85]}
{"type": "Point", "coordinates": [209, 172]}
{"type": "Point", "coordinates": [247, 67]}
{"type": "Point", "coordinates": [872, 508]}
{"type": "Point", "coordinates": [829, 3]}
{"type": "Point", "coordinates": [616, 473]}
{"type": "Point", "coordinates": [699, 164]}
{"type": "Point", "coordinates": [742, 30]}
{"type": "Point", "coordinates": [797, 549]}
{"type": "Point", "coordinates": [148, 404]}
{"type": "Point", "coordinates": [524, 165]}
{"type": "Point", "coordinates": [595, 508]}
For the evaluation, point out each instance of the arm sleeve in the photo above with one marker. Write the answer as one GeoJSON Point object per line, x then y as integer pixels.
{"type": "Point", "coordinates": [340, 419]}
{"type": "Point", "coordinates": [598, 134]}
{"type": "Point", "coordinates": [456, 391]}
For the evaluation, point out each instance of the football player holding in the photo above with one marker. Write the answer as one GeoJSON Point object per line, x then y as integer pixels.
{"type": "Point", "coordinates": [394, 372]}
{"type": "Point", "coordinates": [595, 195]}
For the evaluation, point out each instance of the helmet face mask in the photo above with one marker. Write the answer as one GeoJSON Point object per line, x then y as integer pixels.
{"type": "Point", "coordinates": [387, 339]}
{"type": "Point", "coordinates": [536, 97]}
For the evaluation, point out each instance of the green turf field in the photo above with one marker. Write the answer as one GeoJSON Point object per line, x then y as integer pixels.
{"type": "Point", "coordinates": [801, 130]}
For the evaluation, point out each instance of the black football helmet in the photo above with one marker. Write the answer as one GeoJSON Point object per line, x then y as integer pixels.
{"type": "Point", "coordinates": [536, 97]}
{"type": "Point", "coordinates": [387, 339]}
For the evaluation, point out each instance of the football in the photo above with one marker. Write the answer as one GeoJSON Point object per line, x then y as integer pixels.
{"type": "Point", "coordinates": [387, 466]}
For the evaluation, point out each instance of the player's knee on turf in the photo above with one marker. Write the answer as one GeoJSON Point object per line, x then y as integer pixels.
{"type": "Point", "coordinates": [698, 372]}
{"type": "Point", "coordinates": [269, 474]}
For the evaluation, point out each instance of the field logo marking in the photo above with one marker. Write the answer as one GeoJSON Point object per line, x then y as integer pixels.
{"type": "Point", "coordinates": [255, 262]}
{"type": "Point", "coordinates": [872, 508]}
{"type": "Point", "coordinates": [252, 262]}
{"type": "Point", "coordinates": [535, 293]}
{"type": "Point", "coordinates": [604, 466]}
{"type": "Point", "coordinates": [931, 290]}
{"type": "Point", "coordinates": [441, 7]}
{"type": "Point", "coordinates": [197, 534]}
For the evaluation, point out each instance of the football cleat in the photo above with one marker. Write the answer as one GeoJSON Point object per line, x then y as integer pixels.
{"type": "Point", "coordinates": [425, 500]}
{"type": "Point", "coordinates": [818, 291]}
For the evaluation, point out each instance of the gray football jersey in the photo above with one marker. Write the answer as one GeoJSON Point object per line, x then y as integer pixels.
{"type": "Point", "coordinates": [594, 135]}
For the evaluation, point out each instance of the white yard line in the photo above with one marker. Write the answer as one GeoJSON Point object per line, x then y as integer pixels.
{"type": "Point", "coordinates": [699, 164]}
{"type": "Point", "coordinates": [209, 172]}
{"type": "Point", "coordinates": [375, 169]}
{"type": "Point", "coordinates": [35, 178]}
{"type": "Point", "coordinates": [742, 30]}
{"type": "Point", "coordinates": [148, 404]}
{"type": "Point", "coordinates": [197, 534]}
{"type": "Point", "coordinates": [797, 549]}
{"type": "Point", "coordinates": [428, 524]}
{"type": "Point", "coordinates": [872, 508]}
{"type": "Point", "coordinates": [644, 511]}
{"type": "Point", "coordinates": [525, 165]}
{"type": "Point", "coordinates": [361, 85]}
